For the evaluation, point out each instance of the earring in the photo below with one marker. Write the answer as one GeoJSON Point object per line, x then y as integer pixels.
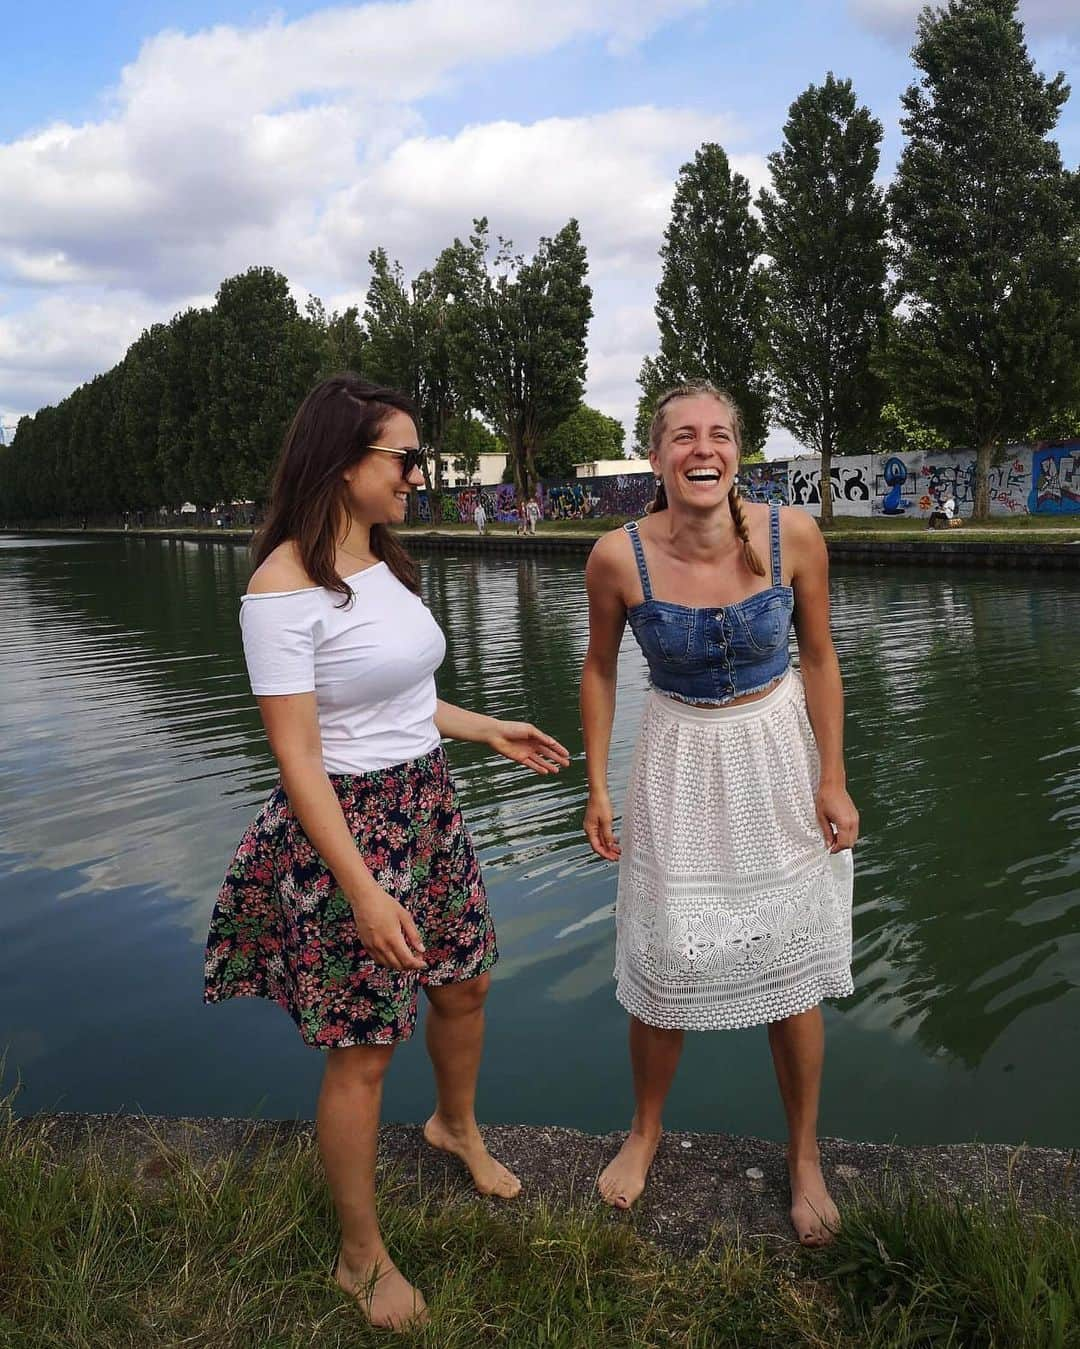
{"type": "Point", "coordinates": [735, 481]}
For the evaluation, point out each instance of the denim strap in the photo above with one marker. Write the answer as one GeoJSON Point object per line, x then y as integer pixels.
{"type": "Point", "coordinates": [639, 552]}
{"type": "Point", "coordinates": [774, 543]}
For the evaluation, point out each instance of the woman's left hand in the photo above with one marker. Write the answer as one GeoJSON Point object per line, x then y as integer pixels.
{"type": "Point", "coordinates": [526, 745]}
{"type": "Point", "coordinates": [838, 817]}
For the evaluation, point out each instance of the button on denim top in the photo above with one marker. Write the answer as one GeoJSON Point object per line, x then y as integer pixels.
{"type": "Point", "coordinates": [714, 655]}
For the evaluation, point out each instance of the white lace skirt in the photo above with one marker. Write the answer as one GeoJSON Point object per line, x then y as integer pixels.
{"type": "Point", "coordinates": [731, 911]}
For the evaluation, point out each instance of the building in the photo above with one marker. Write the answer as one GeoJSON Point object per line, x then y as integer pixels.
{"type": "Point", "coordinates": [489, 471]}
{"type": "Point", "coordinates": [610, 468]}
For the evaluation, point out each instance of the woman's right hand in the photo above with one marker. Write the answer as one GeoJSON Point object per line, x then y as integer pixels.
{"type": "Point", "coordinates": [599, 827]}
{"type": "Point", "coordinates": [388, 932]}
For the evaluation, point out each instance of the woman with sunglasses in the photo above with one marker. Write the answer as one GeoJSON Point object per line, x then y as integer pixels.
{"type": "Point", "coordinates": [357, 884]}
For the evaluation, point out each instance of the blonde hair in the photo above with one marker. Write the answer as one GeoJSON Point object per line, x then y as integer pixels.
{"type": "Point", "coordinates": [701, 388]}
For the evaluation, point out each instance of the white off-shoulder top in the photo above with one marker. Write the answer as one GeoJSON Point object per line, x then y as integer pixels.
{"type": "Point", "coordinates": [371, 665]}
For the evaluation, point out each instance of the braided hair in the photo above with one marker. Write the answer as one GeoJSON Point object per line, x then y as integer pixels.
{"type": "Point", "coordinates": [703, 389]}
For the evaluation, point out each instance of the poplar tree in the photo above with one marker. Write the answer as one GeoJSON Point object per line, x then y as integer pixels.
{"type": "Point", "coordinates": [824, 222]}
{"type": "Point", "coordinates": [987, 246]}
{"type": "Point", "coordinates": [710, 303]}
{"type": "Point", "coordinates": [408, 347]}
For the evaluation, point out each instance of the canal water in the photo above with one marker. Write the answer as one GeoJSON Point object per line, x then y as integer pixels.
{"type": "Point", "coordinates": [131, 758]}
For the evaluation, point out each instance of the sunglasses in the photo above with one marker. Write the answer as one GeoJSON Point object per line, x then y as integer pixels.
{"type": "Point", "coordinates": [410, 459]}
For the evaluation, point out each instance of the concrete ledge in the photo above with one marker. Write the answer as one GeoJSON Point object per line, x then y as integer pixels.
{"type": "Point", "coordinates": [1009, 553]}
{"type": "Point", "coordinates": [699, 1182]}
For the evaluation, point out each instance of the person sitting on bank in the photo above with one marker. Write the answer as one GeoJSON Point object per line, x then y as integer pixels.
{"type": "Point", "coordinates": [943, 516]}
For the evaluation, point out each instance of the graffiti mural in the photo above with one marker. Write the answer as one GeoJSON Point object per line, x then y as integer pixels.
{"type": "Point", "coordinates": [767, 482]}
{"type": "Point", "coordinates": [1046, 480]}
{"type": "Point", "coordinates": [1055, 480]}
{"type": "Point", "coordinates": [916, 484]}
{"type": "Point", "coordinates": [852, 484]}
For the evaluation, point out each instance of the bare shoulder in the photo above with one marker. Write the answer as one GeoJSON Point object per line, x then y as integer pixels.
{"type": "Point", "coordinates": [282, 570]}
{"type": "Point", "coordinates": [610, 559]}
{"type": "Point", "coordinates": [800, 537]}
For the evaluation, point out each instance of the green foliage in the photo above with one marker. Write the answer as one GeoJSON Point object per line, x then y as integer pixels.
{"type": "Point", "coordinates": [144, 1251]}
{"type": "Point", "coordinates": [824, 226]}
{"type": "Point", "coordinates": [987, 238]}
{"type": "Point", "coordinates": [195, 411]}
{"type": "Point", "coordinates": [409, 348]}
{"type": "Point", "coordinates": [584, 436]}
{"type": "Point", "coordinates": [710, 303]}
{"type": "Point", "coordinates": [899, 431]}
{"type": "Point", "coordinates": [467, 438]}
{"type": "Point", "coordinates": [517, 331]}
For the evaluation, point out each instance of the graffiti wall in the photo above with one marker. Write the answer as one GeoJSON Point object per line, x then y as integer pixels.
{"type": "Point", "coordinates": [1055, 480]}
{"type": "Point", "coordinates": [852, 485]}
{"type": "Point", "coordinates": [1040, 481]}
{"type": "Point", "coordinates": [766, 482]}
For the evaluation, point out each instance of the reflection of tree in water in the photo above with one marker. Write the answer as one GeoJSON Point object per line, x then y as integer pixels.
{"type": "Point", "coordinates": [964, 763]}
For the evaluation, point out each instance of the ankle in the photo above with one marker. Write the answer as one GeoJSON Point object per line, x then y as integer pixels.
{"type": "Point", "coordinates": [364, 1255]}
{"type": "Point", "coordinates": [805, 1154]}
{"type": "Point", "coordinates": [648, 1130]}
{"type": "Point", "coordinates": [461, 1126]}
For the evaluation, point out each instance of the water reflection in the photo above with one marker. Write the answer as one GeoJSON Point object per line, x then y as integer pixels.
{"type": "Point", "coordinates": [132, 756]}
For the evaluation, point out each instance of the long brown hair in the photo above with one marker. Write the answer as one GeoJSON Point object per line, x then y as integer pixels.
{"type": "Point", "coordinates": [333, 429]}
{"type": "Point", "coordinates": [701, 388]}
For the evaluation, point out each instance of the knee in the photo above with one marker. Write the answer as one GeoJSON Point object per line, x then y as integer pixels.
{"type": "Point", "coordinates": [461, 999]}
{"type": "Point", "coordinates": [358, 1066]}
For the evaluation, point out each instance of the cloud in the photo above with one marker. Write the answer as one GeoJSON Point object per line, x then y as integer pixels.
{"type": "Point", "coordinates": [301, 145]}
{"type": "Point", "coordinates": [895, 19]}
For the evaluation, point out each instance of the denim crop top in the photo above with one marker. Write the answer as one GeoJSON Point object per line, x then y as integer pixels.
{"type": "Point", "coordinates": [714, 655]}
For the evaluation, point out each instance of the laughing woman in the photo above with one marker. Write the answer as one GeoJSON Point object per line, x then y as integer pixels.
{"type": "Point", "coordinates": [356, 886]}
{"type": "Point", "coordinates": [735, 872]}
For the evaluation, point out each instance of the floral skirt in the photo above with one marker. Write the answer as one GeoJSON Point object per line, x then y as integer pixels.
{"type": "Point", "coordinates": [283, 930]}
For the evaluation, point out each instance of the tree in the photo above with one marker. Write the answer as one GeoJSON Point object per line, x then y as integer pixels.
{"type": "Point", "coordinates": [900, 432]}
{"type": "Point", "coordinates": [824, 224]}
{"type": "Point", "coordinates": [339, 338]}
{"type": "Point", "coordinates": [409, 347]}
{"type": "Point", "coordinates": [467, 438]}
{"type": "Point", "coordinates": [586, 435]}
{"type": "Point", "coordinates": [518, 333]}
{"type": "Point", "coordinates": [986, 238]}
{"type": "Point", "coordinates": [710, 303]}
{"type": "Point", "coordinates": [263, 363]}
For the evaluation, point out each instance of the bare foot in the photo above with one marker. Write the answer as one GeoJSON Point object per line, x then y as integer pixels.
{"type": "Point", "coordinates": [814, 1216]}
{"type": "Point", "coordinates": [623, 1179]}
{"type": "Point", "coordinates": [489, 1176]}
{"type": "Point", "coordinates": [385, 1296]}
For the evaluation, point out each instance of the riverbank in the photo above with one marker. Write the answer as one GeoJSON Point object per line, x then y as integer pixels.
{"type": "Point", "coordinates": [218, 1232]}
{"type": "Point", "coordinates": [1021, 543]}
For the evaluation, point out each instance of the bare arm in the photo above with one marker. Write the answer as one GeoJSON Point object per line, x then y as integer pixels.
{"type": "Point", "coordinates": [515, 740]}
{"type": "Point", "coordinates": [386, 929]}
{"type": "Point", "coordinates": [607, 620]}
{"type": "Point", "coordinates": [820, 668]}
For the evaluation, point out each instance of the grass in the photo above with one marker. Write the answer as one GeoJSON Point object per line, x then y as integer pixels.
{"type": "Point", "coordinates": [238, 1253]}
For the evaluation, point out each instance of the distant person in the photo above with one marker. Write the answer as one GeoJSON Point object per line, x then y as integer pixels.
{"type": "Point", "coordinates": [735, 870]}
{"type": "Point", "coordinates": [532, 515]}
{"type": "Point", "coordinates": [356, 886]}
{"type": "Point", "coordinates": [943, 516]}
{"type": "Point", "coordinates": [480, 518]}
{"type": "Point", "coordinates": [522, 519]}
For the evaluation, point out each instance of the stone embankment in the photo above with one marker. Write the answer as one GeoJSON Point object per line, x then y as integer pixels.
{"type": "Point", "coordinates": [699, 1182]}
{"type": "Point", "coordinates": [996, 548]}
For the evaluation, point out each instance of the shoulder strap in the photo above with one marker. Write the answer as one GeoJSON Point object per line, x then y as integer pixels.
{"type": "Point", "coordinates": [774, 544]}
{"type": "Point", "coordinates": [639, 553]}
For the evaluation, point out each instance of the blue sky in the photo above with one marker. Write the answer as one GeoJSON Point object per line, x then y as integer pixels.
{"type": "Point", "coordinates": [150, 150]}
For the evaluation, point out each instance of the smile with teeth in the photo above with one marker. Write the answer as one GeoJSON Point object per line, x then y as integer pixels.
{"type": "Point", "coordinates": [703, 475]}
